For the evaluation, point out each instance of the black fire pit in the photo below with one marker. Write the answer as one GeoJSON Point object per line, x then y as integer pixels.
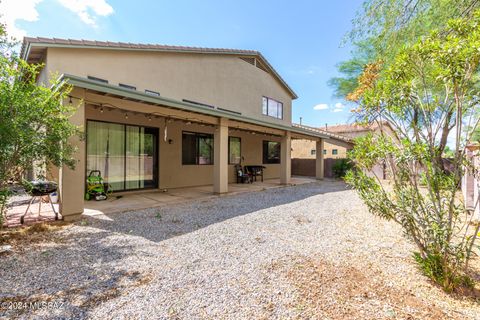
{"type": "Point", "coordinates": [39, 189]}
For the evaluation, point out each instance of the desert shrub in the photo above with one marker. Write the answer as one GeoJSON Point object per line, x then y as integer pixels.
{"type": "Point", "coordinates": [424, 95]}
{"type": "Point", "coordinates": [340, 167]}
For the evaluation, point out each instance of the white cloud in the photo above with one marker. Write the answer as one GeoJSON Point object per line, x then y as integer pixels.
{"type": "Point", "coordinates": [88, 9]}
{"type": "Point", "coordinates": [338, 107]}
{"type": "Point", "coordinates": [321, 106]}
{"type": "Point", "coordinates": [13, 10]}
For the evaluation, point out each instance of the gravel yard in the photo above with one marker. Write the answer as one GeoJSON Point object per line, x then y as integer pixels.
{"type": "Point", "coordinates": [309, 251]}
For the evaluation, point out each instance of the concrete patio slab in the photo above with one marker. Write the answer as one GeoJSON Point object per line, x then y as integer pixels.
{"type": "Point", "coordinates": [128, 201]}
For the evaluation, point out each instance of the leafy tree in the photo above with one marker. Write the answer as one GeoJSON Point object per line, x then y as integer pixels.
{"type": "Point", "coordinates": [34, 123]}
{"type": "Point", "coordinates": [424, 93]}
{"type": "Point", "coordinates": [352, 69]}
{"type": "Point", "coordinates": [383, 27]}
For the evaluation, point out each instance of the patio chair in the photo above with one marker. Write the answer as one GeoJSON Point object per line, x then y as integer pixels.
{"type": "Point", "coordinates": [242, 176]}
{"type": "Point", "coordinates": [255, 171]}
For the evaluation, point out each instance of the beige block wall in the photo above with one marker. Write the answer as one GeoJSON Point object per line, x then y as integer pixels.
{"type": "Point", "coordinates": [172, 174]}
{"type": "Point", "coordinates": [301, 149]}
{"type": "Point", "coordinates": [220, 80]}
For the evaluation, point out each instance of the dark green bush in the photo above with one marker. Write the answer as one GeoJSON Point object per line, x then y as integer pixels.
{"type": "Point", "coordinates": [341, 167]}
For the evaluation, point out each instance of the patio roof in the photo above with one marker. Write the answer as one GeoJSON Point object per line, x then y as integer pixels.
{"type": "Point", "coordinates": [117, 91]}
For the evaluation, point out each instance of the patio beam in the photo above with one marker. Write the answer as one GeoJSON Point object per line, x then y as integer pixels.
{"type": "Point", "coordinates": [220, 163]}
{"type": "Point", "coordinates": [285, 158]}
{"type": "Point", "coordinates": [319, 161]}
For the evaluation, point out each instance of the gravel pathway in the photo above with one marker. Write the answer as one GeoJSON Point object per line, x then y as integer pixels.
{"type": "Point", "coordinates": [309, 251]}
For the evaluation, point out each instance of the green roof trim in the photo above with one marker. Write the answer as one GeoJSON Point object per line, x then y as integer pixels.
{"type": "Point", "coordinates": [180, 105]}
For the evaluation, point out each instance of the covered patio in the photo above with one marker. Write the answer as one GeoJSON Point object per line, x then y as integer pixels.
{"type": "Point", "coordinates": [181, 130]}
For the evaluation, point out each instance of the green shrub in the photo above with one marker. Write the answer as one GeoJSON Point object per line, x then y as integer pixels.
{"type": "Point", "coordinates": [415, 95]}
{"type": "Point", "coordinates": [341, 167]}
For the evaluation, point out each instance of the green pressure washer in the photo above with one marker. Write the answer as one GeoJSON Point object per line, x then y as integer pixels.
{"type": "Point", "coordinates": [96, 187]}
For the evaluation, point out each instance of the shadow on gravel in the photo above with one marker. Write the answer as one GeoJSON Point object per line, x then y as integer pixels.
{"type": "Point", "coordinates": [170, 221]}
{"type": "Point", "coordinates": [73, 274]}
{"type": "Point", "coordinates": [82, 269]}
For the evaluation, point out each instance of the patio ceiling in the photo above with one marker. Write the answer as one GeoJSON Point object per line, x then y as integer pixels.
{"type": "Point", "coordinates": [236, 120]}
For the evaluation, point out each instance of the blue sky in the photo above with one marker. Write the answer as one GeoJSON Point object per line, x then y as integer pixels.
{"type": "Point", "coordinates": [301, 39]}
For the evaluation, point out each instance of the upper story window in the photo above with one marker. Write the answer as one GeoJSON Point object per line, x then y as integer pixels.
{"type": "Point", "coordinates": [127, 86]}
{"type": "Point", "coordinates": [272, 108]}
{"type": "Point", "coordinates": [334, 151]}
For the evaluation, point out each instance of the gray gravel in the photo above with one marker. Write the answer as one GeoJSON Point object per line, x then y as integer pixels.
{"type": "Point", "coordinates": [210, 259]}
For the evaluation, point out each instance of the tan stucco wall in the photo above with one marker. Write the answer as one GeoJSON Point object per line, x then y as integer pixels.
{"type": "Point", "coordinates": [301, 149]}
{"type": "Point", "coordinates": [220, 80]}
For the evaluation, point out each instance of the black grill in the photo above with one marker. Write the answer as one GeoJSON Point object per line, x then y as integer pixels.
{"type": "Point", "coordinates": [42, 188]}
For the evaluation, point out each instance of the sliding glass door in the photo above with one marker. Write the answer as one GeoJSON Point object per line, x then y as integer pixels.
{"type": "Point", "coordinates": [126, 155]}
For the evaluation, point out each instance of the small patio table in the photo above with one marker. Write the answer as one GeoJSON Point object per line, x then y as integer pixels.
{"type": "Point", "coordinates": [255, 170]}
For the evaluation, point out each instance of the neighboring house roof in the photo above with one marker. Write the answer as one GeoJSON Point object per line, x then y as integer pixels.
{"type": "Point", "coordinates": [348, 128]}
{"type": "Point", "coordinates": [34, 56]}
{"type": "Point", "coordinates": [137, 96]}
{"type": "Point", "coordinates": [328, 134]}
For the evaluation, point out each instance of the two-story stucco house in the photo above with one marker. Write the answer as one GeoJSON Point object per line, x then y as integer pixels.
{"type": "Point", "coordinates": [160, 116]}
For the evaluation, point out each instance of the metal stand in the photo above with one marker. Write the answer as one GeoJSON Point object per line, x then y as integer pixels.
{"type": "Point", "coordinates": [22, 218]}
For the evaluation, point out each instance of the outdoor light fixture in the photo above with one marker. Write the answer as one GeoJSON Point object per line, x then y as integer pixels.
{"type": "Point", "coordinates": [70, 102]}
{"type": "Point", "coordinates": [126, 115]}
{"type": "Point", "coordinates": [149, 118]}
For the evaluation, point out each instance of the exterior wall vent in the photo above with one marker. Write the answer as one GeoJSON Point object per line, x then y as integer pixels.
{"type": "Point", "coordinates": [198, 103]}
{"type": "Point", "coordinates": [127, 86]}
{"type": "Point", "coordinates": [248, 60]}
{"type": "Point", "coordinates": [97, 79]}
{"type": "Point", "coordinates": [261, 66]}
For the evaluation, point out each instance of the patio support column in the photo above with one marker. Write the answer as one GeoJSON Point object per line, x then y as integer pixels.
{"type": "Point", "coordinates": [319, 162]}
{"type": "Point", "coordinates": [72, 182]}
{"type": "Point", "coordinates": [220, 159]}
{"type": "Point", "coordinates": [285, 158]}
